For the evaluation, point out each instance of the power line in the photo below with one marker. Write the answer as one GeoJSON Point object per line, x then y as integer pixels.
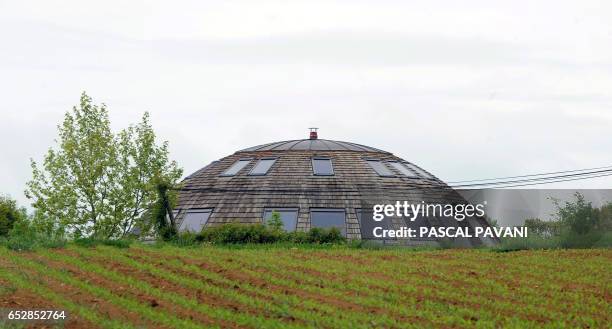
{"type": "Point", "coordinates": [530, 175]}
{"type": "Point", "coordinates": [552, 181]}
{"type": "Point", "coordinates": [543, 180]}
{"type": "Point", "coordinates": [583, 175]}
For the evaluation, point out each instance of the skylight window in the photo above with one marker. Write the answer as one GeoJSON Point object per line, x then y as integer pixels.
{"type": "Point", "coordinates": [322, 167]}
{"type": "Point", "coordinates": [236, 167]}
{"type": "Point", "coordinates": [287, 215]}
{"type": "Point", "coordinates": [418, 170]}
{"type": "Point", "coordinates": [403, 169]}
{"type": "Point", "coordinates": [367, 224]}
{"type": "Point", "coordinates": [194, 220]}
{"type": "Point", "coordinates": [262, 167]}
{"type": "Point", "coordinates": [380, 168]}
{"type": "Point", "coordinates": [326, 218]}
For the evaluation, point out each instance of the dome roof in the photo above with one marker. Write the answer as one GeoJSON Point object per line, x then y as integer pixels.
{"type": "Point", "coordinates": [312, 145]}
{"type": "Point", "coordinates": [314, 183]}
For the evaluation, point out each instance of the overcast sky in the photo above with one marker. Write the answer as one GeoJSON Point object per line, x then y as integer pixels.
{"type": "Point", "coordinates": [465, 90]}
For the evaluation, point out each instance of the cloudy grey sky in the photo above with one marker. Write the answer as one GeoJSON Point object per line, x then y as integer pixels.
{"type": "Point", "coordinates": [467, 90]}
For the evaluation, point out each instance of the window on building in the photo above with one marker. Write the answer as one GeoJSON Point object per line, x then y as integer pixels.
{"type": "Point", "coordinates": [322, 167]}
{"type": "Point", "coordinates": [262, 167]}
{"type": "Point", "coordinates": [195, 219]}
{"type": "Point", "coordinates": [418, 170]}
{"type": "Point", "coordinates": [287, 215]}
{"type": "Point", "coordinates": [367, 223]}
{"type": "Point", "coordinates": [380, 168]}
{"type": "Point", "coordinates": [326, 218]}
{"type": "Point", "coordinates": [236, 167]}
{"type": "Point", "coordinates": [403, 169]}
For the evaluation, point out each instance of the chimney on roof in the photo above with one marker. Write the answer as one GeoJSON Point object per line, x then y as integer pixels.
{"type": "Point", "coordinates": [313, 133]}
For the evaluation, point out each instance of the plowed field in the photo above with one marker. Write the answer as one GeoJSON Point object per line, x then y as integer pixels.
{"type": "Point", "coordinates": [207, 287]}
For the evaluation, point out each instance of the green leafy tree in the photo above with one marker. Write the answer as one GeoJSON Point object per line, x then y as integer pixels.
{"type": "Point", "coordinates": [579, 217]}
{"type": "Point", "coordinates": [97, 183]}
{"type": "Point", "coordinates": [143, 166]}
{"type": "Point", "coordinates": [10, 214]}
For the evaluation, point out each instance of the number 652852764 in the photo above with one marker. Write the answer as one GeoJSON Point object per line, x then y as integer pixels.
{"type": "Point", "coordinates": [34, 315]}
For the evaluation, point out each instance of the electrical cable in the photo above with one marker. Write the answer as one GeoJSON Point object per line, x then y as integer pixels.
{"type": "Point", "coordinates": [553, 181]}
{"type": "Point", "coordinates": [530, 175]}
{"type": "Point", "coordinates": [541, 179]}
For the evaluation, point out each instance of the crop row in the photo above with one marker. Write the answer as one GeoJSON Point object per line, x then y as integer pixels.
{"type": "Point", "coordinates": [476, 282]}
{"type": "Point", "coordinates": [171, 287]}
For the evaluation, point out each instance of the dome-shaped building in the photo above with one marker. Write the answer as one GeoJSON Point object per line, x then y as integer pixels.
{"type": "Point", "coordinates": [312, 183]}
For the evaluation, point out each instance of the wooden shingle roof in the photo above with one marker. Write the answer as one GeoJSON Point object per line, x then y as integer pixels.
{"type": "Point", "coordinates": [312, 145]}
{"type": "Point", "coordinates": [291, 183]}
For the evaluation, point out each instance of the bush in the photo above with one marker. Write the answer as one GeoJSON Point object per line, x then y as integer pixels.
{"type": "Point", "coordinates": [258, 233]}
{"type": "Point", "coordinates": [24, 236]}
{"type": "Point", "coordinates": [240, 233]}
{"type": "Point", "coordinates": [168, 233]}
{"type": "Point", "coordinates": [317, 235]}
{"type": "Point", "coordinates": [275, 222]}
{"type": "Point", "coordinates": [184, 239]}
{"type": "Point", "coordinates": [9, 214]}
{"type": "Point", "coordinates": [586, 240]}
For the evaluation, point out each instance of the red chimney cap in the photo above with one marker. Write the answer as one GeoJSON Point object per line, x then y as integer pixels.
{"type": "Point", "coordinates": [313, 133]}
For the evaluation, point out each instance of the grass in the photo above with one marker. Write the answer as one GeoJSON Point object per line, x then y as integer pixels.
{"type": "Point", "coordinates": [316, 287]}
